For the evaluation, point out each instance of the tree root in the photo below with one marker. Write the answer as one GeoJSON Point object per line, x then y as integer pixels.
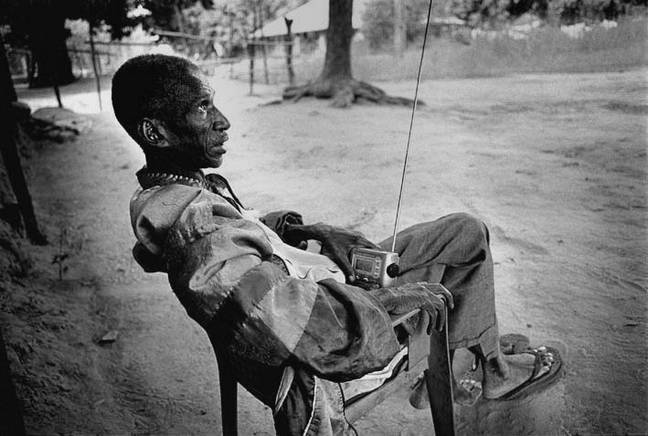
{"type": "Point", "coordinates": [344, 93]}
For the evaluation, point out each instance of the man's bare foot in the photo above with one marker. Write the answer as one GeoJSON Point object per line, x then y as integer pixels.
{"type": "Point", "coordinates": [505, 373]}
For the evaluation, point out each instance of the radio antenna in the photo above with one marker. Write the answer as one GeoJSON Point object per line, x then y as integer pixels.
{"type": "Point", "coordinates": [411, 125]}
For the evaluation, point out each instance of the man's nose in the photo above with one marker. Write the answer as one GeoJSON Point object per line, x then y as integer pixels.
{"type": "Point", "coordinates": [221, 122]}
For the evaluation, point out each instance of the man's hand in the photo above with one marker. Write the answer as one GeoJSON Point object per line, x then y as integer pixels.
{"type": "Point", "coordinates": [336, 242]}
{"type": "Point", "coordinates": [279, 222]}
{"type": "Point", "coordinates": [431, 297]}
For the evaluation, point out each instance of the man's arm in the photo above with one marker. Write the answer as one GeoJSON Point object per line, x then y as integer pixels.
{"type": "Point", "coordinates": [336, 242]}
{"type": "Point", "coordinates": [280, 221]}
{"type": "Point", "coordinates": [223, 271]}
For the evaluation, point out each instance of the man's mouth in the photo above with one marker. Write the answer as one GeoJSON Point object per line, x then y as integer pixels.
{"type": "Point", "coordinates": [218, 147]}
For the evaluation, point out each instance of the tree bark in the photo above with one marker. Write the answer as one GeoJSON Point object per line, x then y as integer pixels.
{"type": "Point", "coordinates": [337, 62]}
{"type": "Point", "coordinates": [336, 81]}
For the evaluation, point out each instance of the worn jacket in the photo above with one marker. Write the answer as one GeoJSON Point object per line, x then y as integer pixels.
{"type": "Point", "coordinates": [265, 304]}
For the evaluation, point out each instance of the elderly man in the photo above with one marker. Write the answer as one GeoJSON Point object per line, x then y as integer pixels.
{"type": "Point", "coordinates": [269, 305]}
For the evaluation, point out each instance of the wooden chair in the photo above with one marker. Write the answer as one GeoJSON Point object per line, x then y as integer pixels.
{"type": "Point", "coordinates": [423, 350]}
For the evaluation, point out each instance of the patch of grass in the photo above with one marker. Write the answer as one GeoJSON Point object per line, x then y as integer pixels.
{"type": "Point", "coordinates": [547, 49]}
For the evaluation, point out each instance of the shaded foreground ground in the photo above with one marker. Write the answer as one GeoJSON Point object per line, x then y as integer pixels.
{"type": "Point", "coordinates": [554, 164]}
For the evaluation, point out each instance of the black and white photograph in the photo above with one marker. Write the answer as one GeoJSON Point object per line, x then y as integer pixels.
{"type": "Point", "coordinates": [324, 217]}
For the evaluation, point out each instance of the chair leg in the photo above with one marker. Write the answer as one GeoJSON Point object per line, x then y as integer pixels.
{"type": "Point", "coordinates": [439, 385]}
{"type": "Point", "coordinates": [228, 398]}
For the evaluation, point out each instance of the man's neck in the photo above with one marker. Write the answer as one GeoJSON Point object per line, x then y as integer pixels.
{"type": "Point", "coordinates": [170, 164]}
{"type": "Point", "coordinates": [162, 169]}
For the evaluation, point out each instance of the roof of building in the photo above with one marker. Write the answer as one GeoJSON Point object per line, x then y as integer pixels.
{"type": "Point", "coordinates": [309, 17]}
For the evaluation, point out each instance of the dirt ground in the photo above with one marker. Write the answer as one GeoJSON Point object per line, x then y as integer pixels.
{"type": "Point", "coordinates": [554, 164]}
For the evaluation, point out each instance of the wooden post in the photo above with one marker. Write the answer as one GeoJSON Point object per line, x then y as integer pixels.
{"type": "Point", "coordinates": [180, 18]}
{"type": "Point", "coordinates": [263, 45]}
{"type": "Point", "coordinates": [230, 37]}
{"type": "Point", "coordinates": [94, 66]}
{"type": "Point", "coordinates": [11, 420]}
{"type": "Point", "coordinates": [9, 150]}
{"type": "Point", "coordinates": [57, 93]}
{"type": "Point", "coordinates": [289, 50]}
{"type": "Point", "coordinates": [399, 28]}
{"type": "Point", "coordinates": [250, 49]}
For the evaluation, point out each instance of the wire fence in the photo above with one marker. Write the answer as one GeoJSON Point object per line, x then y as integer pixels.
{"type": "Point", "coordinates": [269, 62]}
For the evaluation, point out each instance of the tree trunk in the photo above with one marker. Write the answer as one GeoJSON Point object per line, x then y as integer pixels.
{"type": "Point", "coordinates": [337, 63]}
{"type": "Point", "coordinates": [9, 150]}
{"type": "Point", "coordinates": [47, 35]}
{"type": "Point", "coordinates": [336, 81]}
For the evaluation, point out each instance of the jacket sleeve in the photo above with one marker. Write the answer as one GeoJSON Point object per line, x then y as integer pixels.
{"type": "Point", "coordinates": [222, 268]}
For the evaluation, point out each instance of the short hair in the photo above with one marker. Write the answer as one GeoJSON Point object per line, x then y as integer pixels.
{"type": "Point", "coordinates": [154, 86]}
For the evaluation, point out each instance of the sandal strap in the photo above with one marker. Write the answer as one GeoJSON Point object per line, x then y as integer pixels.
{"type": "Point", "coordinates": [538, 364]}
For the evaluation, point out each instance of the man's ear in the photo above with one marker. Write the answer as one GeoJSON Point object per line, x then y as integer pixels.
{"type": "Point", "coordinates": [153, 132]}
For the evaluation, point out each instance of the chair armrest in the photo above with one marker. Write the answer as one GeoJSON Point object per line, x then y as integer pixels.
{"type": "Point", "coordinates": [418, 342]}
{"type": "Point", "coordinates": [399, 319]}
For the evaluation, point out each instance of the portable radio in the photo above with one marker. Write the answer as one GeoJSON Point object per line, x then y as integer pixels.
{"type": "Point", "coordinates": [374, 268]}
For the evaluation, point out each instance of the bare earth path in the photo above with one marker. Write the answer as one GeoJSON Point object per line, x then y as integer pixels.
{"type": "Point", "coordinates": [554, 164]}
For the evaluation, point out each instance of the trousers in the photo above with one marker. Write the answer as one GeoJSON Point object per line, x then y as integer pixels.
{"type": "Point", "coordinates": [452, 250]}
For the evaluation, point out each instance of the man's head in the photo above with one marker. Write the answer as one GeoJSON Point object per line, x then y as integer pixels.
{"type": "Point", "coordinates": [167, 108]}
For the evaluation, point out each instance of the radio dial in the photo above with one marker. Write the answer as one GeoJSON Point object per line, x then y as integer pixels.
{"type": "Point", "coordinates": [393, 270]}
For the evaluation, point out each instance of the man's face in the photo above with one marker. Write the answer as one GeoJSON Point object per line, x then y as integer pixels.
{"type": "Point", "coordinates": [199, 135]}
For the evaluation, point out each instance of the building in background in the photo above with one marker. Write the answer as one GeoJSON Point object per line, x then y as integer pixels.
{"type": "Point", "coordinates": [309, 25]}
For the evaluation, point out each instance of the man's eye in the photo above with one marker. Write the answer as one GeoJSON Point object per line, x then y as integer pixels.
{"type": "Point", "coordinates": [204, 105]}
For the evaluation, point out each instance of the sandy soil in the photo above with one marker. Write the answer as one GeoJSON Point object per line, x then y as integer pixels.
{"type": "Point", "coordinates": [554, 164]}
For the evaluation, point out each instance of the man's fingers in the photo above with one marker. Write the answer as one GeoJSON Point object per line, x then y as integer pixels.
{"type": "Point", "coordinates": [437, 319]}
{"type": "Point", "coordinates": [342, 261]}
{"type": "Point", "coordinates": [347, 270]}
{"type": "Point", "coordinates": [295, 230]}
{"type": "Point", "coordinates": [449, 298]}
{"type": "Point", "coordinates": [366, 243]}
{"type": "Point", "coordinates": [443, 293]}
{"type": "Point", "coordinates": [441, 319]}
